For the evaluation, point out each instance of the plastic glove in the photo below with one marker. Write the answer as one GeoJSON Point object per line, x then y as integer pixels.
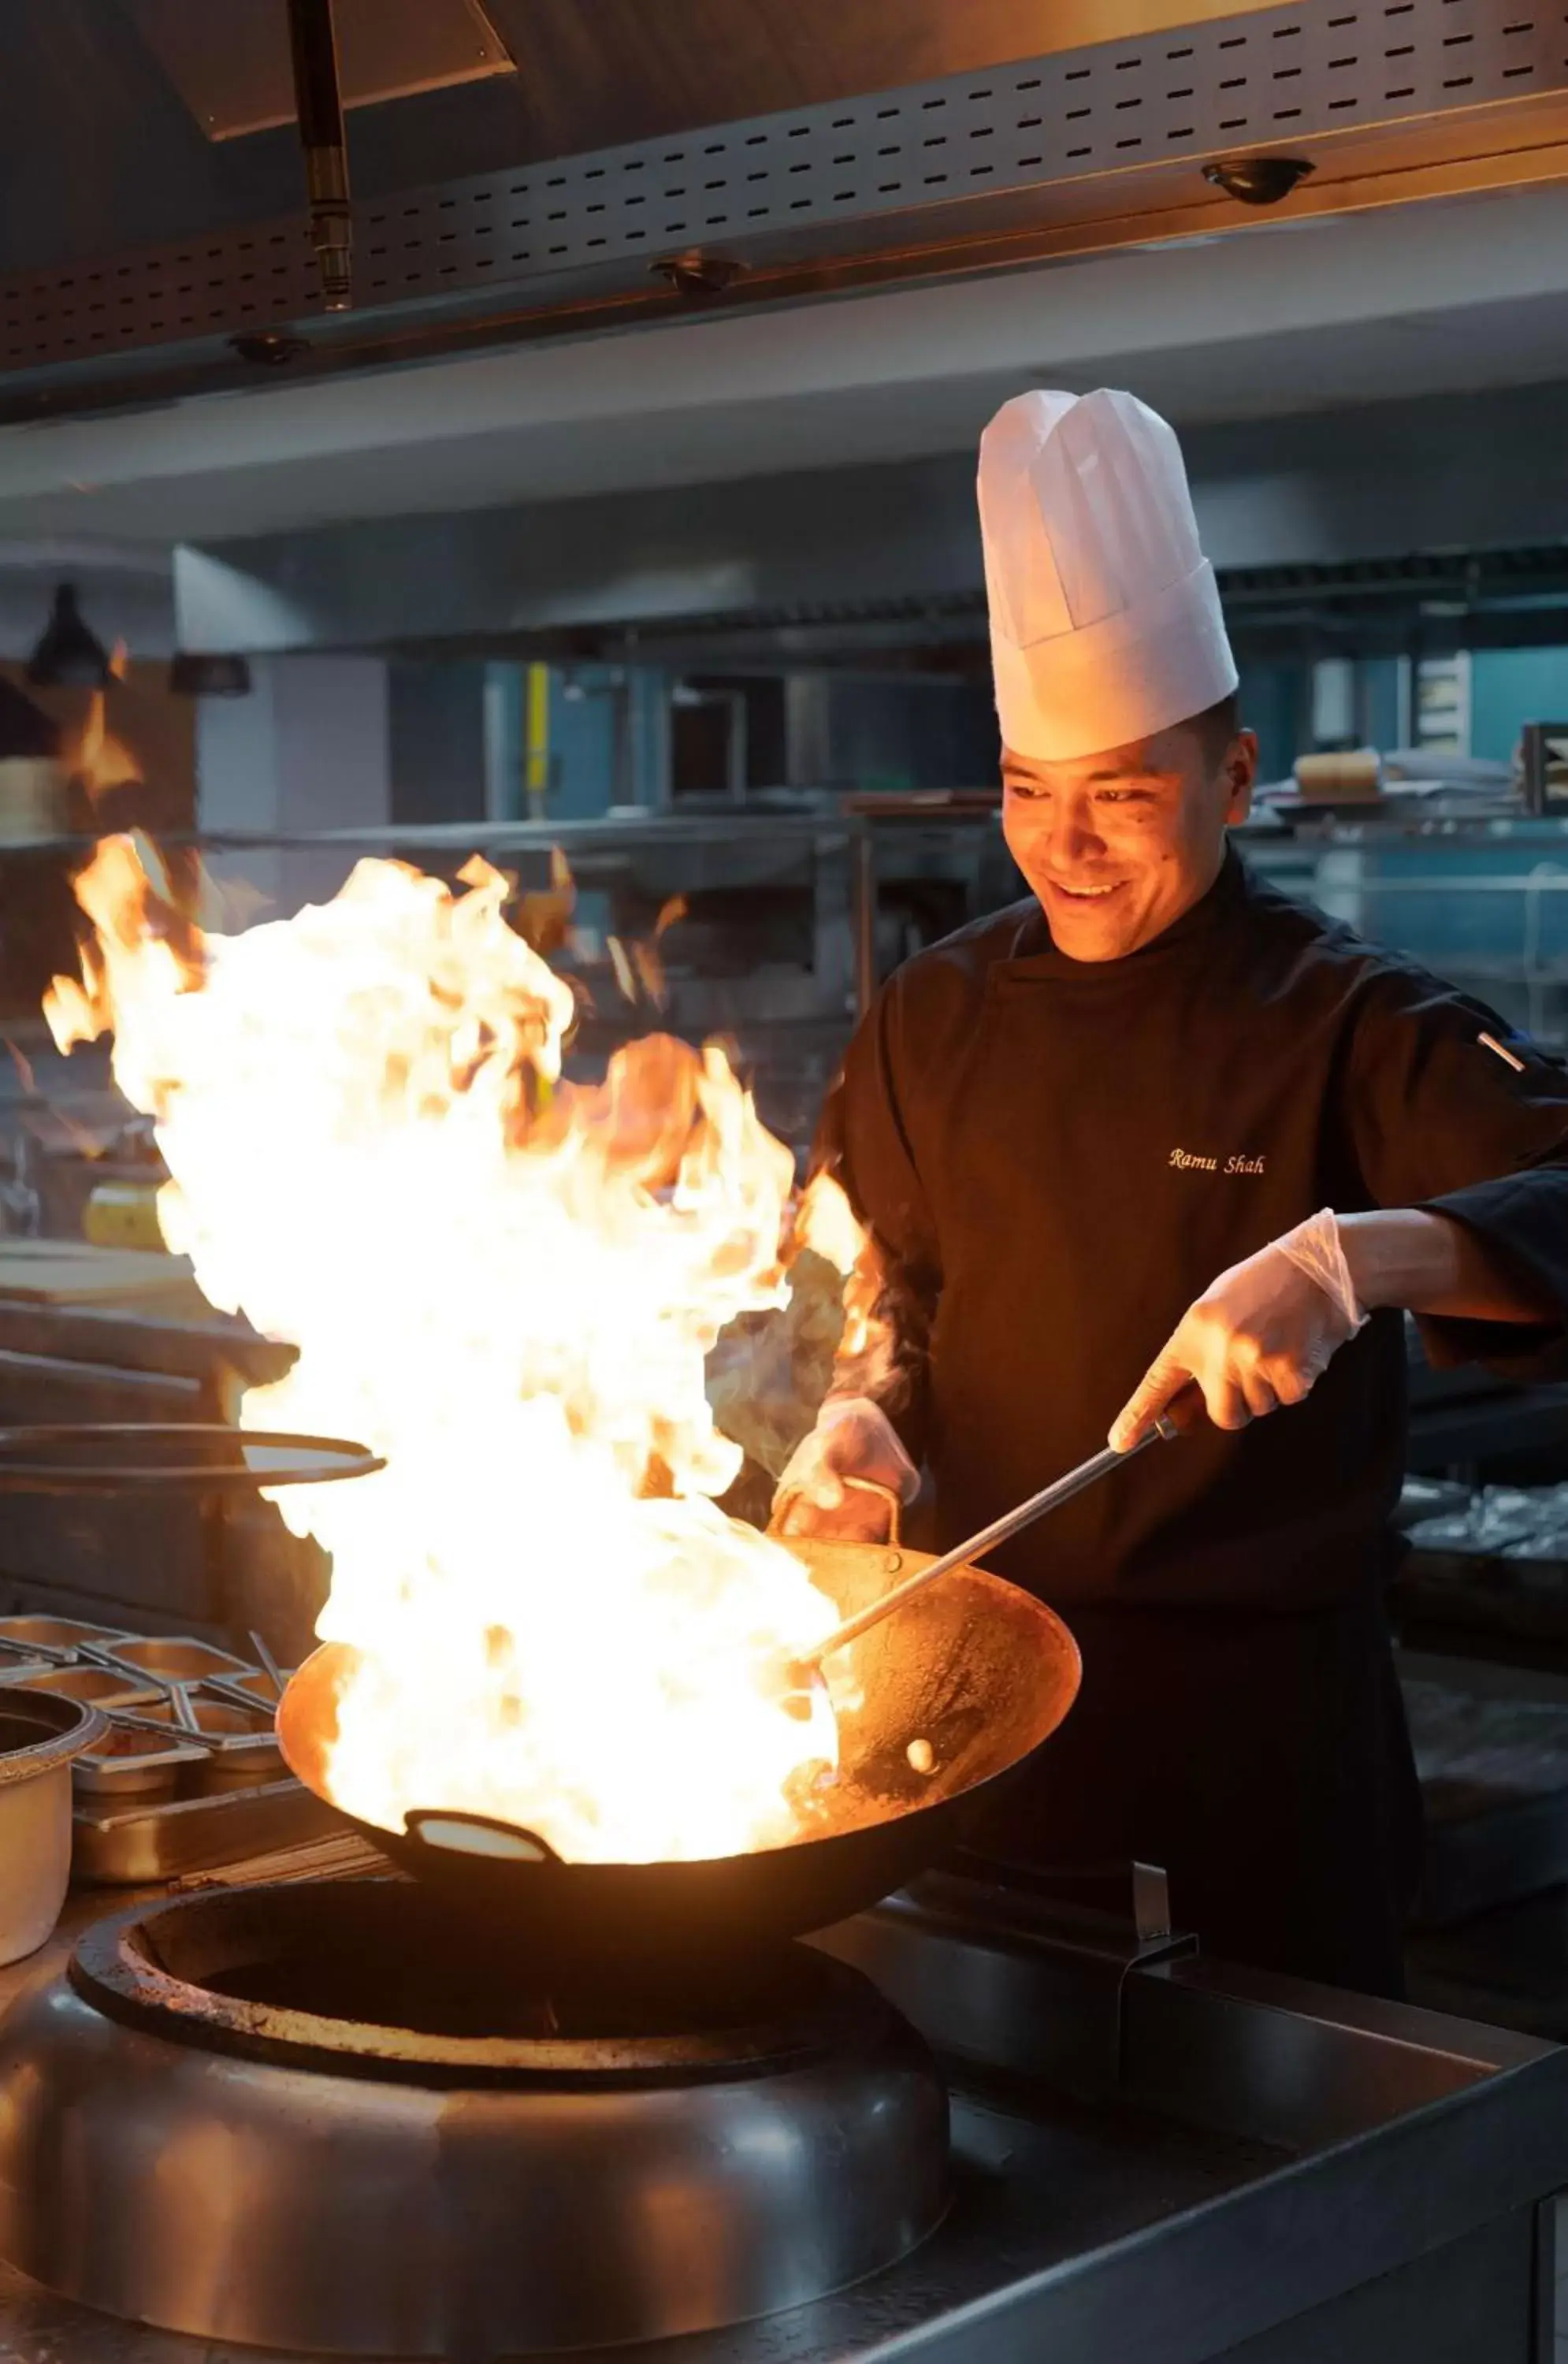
{"type": "Point", "coordinates": [853, 1438]}
{"type": "Point", "coordinates": [1259, 1336]}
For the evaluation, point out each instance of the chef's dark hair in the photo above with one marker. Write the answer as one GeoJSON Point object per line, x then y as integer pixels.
{"type": "Point", "coordinates": [1217, 725]}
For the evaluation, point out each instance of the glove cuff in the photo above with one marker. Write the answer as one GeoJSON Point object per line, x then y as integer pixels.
{"type": "Point", "coordinates": [1316, 1248]}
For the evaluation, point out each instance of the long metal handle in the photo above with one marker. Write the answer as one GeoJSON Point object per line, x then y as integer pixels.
{"type": "Point", "coordinates": [1000, 1531]}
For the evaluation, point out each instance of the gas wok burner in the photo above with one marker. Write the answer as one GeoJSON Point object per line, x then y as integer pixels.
{"type": "Point", "coordinates": [305, 2118]}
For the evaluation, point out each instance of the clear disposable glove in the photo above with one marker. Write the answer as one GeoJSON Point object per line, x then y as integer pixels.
{"type": "Point", "coordinates": [853, 1438]}
{"type": "Point", "coordinates": [1259, 1336]}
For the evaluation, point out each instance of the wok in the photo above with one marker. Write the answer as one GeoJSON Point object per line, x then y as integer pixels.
{"type": "Point", "coordinates": [981, 1670]}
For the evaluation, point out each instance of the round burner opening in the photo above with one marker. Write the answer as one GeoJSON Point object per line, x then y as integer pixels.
{"type": "Point", "coordinates": [373, 1977]}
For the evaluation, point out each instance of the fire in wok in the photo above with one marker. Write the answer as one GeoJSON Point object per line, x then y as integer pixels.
{"type": "Point", "coordinates": [507, 1284]}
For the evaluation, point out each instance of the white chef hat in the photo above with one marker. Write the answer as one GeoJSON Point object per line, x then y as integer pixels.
{"type": "Point", "coordinates": [1105, 615]}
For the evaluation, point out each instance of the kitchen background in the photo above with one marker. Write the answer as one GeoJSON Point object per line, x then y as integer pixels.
{"type": "Point", "coordinates": [566, 453]}
{"type": "Point", "coordinates": [664, 590]}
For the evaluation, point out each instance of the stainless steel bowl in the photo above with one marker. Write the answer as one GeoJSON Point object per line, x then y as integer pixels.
{"type": "Point", "coordinates": [40, 1733]}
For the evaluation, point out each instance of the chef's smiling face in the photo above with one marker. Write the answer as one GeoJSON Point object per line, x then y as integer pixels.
{"type": "Point", "coordinates": [1117, 846]}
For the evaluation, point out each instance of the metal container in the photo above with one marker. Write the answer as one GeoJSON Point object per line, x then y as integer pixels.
{"type": "Point", "coordinates": [39, 1736]}
{"type": "Point", "coordinates": [241, 1767]}
{"type": "Point", "coordinates": [105, 1686]}
{"type": "Point", "coordinates": [169, 1659]}
{"type": "Point", "coordinates": [242, 1691]}
{"type": "Point", "coordinates": [238, 1745]}
{"type": "Point", "coordinates": [130, 1763]}
{"type": "Point", "coordinates": [56, 1637]}
{"type": "Point", "coordinates": [20, 1665]}
{"type": "Point", "coordinates": [239, 1759]}
{"type": "Point", "coordinates": [157, 1839]}
{"type": "Point", "coordinates": [220, 1722]}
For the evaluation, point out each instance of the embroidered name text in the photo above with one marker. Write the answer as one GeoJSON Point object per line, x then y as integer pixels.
{"type": "Point", "coordinates": [1188, 1161]}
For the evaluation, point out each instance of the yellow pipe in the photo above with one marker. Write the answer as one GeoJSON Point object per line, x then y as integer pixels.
{"type": "Point", "coordinates": [536, 741]}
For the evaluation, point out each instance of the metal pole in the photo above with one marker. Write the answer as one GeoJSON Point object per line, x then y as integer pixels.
{"type": "Point", "coordinates": [736, 751]}
{"type": "Point", "coordinates": [314, 49]}
{"type": "Point", "coordinates": [863, 920]}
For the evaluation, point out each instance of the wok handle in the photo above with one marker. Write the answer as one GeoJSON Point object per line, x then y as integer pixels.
{"type": "Point", "coordinates": [893, 1502]}
{"type": "Point", "coordinates": [444, 1830]}
{"type": "Point", "coordinates": [862, 1485]}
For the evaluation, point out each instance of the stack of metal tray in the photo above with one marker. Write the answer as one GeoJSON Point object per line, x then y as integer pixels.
{"type": "Point", "coordinates": [1523, 1527]}
{"type": "Point", "coordinates": [188, 1775]}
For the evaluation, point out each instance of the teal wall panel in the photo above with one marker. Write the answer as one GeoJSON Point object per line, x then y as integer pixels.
{"type": "Point", "coordinates": [1510, 686]}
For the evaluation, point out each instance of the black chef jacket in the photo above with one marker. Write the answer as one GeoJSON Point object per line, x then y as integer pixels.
{"type": "Point", "coordinates": [1056, 1158]}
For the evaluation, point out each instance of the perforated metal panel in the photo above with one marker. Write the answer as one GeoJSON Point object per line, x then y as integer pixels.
{"type": "Point", "coordinates": [952, 157]}
{"type": "Point", "coordinates": [1260, 82]}
{"type": "Point", "coordinates": [221, 286]}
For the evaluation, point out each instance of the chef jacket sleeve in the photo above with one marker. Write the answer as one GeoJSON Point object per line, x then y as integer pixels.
{"type": "Point", "coordinates": [864, 1141]}
{"type": "Point", "coordinates": [1442, 1123]}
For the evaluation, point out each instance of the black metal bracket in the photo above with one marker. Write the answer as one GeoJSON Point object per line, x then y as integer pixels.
{"type": "Point", "coordinates": [1013, 1971]}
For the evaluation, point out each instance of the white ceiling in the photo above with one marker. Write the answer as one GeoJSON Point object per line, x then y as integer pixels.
{"type": "Point", "coordinates": [1277, 318]}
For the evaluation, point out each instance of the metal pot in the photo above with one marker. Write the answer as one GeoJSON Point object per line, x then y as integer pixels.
{"type": "Point", "coordinates": [975, 1669]}
{"type": "Point", "coordinates": [40, 1734]}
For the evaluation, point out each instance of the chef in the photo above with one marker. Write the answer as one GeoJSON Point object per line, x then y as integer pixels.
{"type": "Point", "coordinates": [1158, 1129]}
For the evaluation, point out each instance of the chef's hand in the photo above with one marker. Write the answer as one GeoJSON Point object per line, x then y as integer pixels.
{"type": "Point", "coordinates": [1258, 1337]}
{"type": "Point", "coordinates": [852, 1438]}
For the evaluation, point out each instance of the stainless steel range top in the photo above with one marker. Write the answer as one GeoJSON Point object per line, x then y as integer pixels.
{"type": "Point", "coordinates": [304, 2117]}
{"type": "Point", "coordinates": [1154, 2157]}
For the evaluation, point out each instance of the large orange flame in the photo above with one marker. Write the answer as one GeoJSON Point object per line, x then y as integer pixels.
{"type": "Point", "coordinates": [508, 1286]}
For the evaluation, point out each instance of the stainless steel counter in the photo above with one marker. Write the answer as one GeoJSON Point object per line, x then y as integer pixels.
{"type": "Point", "coordinates": [1253, 2170]}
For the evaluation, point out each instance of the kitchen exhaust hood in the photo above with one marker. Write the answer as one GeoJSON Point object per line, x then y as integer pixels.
{"type": "Point", "coordinates": [958, 143]}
